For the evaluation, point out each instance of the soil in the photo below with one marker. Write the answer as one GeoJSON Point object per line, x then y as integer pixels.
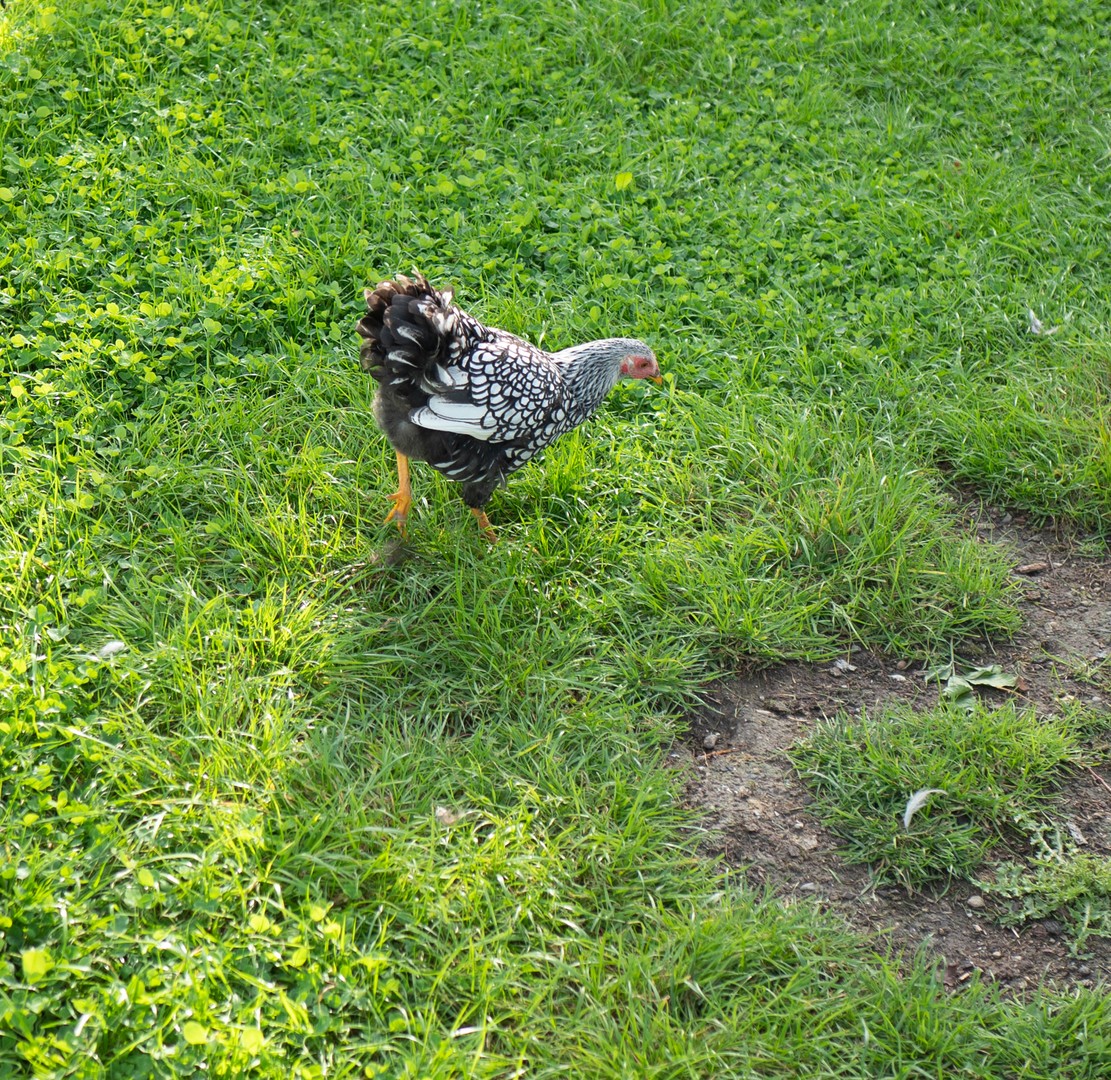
{"type": "Point", "coordinates": [756, 809]}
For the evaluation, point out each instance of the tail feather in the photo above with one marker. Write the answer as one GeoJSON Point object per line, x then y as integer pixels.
{"type": "Point", "coordinates": [405, 331]}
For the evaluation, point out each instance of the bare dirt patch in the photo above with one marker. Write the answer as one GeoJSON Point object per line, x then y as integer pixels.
{"type": "Point", "coordinates": [756, 809]}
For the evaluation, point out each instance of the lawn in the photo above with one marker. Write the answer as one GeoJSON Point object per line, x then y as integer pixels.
{"type": "Point", "coordinates": [280, 801]}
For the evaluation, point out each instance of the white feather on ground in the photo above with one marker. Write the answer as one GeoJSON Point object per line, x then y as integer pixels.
{"type": "Point", "coordinates": [917, 801]}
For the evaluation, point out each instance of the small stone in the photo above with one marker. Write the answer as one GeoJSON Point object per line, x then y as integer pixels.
{"type": "Point", "coordinates": [843, 665]}
{"type": "Point", "coordinates": [711, 740]}
{"type": "Point", "coordinates": [897, 678]}
{"type": "Point", "coordinates": [996, 954]}
{"type": "Point", "coordinates": [1074, 832]}
{"type": "Point", "coordinates": [902, 665]}
{"type": "Point", "coordinates": [975, 901]}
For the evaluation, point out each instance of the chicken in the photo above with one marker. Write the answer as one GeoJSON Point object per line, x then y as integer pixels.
{"type": "Point", "coordinates": [474, 402]}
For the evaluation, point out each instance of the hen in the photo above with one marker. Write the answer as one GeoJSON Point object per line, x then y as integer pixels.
{"type": "Point", "coordinates": [474, 402]}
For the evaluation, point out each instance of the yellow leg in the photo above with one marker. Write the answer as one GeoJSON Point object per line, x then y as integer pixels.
{"type": "Point", "coordinates": [402, 499]}
{"type": "Point", "coordinates": [484, 525]}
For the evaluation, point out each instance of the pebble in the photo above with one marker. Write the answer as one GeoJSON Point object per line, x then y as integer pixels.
{"type": "Point", "coordinates": [898, 678]}
{"type": "Point", "coordinates": [711, 740]}
{"type": "Point", "coordinates": [975, 901]}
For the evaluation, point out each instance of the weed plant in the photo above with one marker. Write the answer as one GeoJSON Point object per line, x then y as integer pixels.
{"type": "Point", "coordinates": [1063, 881]}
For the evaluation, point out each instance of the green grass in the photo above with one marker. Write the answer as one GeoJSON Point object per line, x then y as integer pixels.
{"type": "Point", "coordinates": [322, 812]}
{"type": "Point", "coordinates": [992, 770]}
{"type": "Point", "coordinates": [969, 777]}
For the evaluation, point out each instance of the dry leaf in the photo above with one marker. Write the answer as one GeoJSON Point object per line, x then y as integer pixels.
{"type": "Point", "coordinates": [992, 676]}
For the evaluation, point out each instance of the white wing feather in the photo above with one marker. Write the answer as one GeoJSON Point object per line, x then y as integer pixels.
{"type": "Point", "coordinates": [460, 417]}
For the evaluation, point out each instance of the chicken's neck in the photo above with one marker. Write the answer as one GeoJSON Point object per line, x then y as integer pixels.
{"type": "Point", "coordinates": [590, 372]}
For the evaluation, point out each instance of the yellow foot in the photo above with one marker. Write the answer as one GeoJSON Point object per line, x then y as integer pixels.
{"type": "Point", "coordinates": [399, 515]}
{"type": "Point", "coordinates": [402, 499]}
{"type": "Point", "coordinates": [484, 525]}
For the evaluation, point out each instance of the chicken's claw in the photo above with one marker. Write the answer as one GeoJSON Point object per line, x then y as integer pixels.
{"type": "Point", "coordinates": [484, 525]}
{"type": "Point", "coordinates": [399, 515]}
